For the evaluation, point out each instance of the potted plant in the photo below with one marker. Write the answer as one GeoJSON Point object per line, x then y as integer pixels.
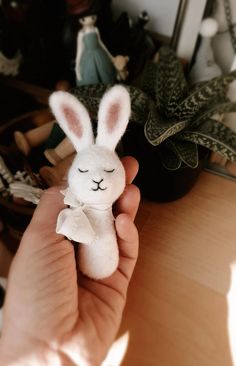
{"type": "Point", "coordinates": [172, 126]}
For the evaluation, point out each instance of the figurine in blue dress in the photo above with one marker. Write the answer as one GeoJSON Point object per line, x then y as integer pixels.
{"type": "Point", "coordinates": [94, 63]}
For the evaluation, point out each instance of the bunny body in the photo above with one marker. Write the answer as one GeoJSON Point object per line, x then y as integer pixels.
{"type": "Point", "coordinates": [96, 178]}
{"type": "Point", "coordinates": [100, 258]}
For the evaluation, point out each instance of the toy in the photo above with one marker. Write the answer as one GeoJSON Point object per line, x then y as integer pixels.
{"type": "Point", "coordinates": [32, 138]}
{"type": "Point", "coordinates": [60, 152]}
{"type": "Point", "coordinates": [94, 63]}
{"type": "Point", "coordinates": [120, 63]}
{"type": "Point", "coordinates": [205, 66]}
{"type": "Point", "coordinates": [96, 178]}
{"type": "Point", "coordinates": [54, 176]}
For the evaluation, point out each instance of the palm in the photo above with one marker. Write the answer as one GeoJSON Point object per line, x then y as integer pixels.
{"type": "Point", "coordinates": [101, 304]}
{"type": "Point", "coordinates": [100, 313]}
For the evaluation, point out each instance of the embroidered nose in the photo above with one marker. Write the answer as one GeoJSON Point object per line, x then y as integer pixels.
{"type": "Point", "coordinates": [98, 185]}
{"type": "Point", "coordinates": [98, 182]}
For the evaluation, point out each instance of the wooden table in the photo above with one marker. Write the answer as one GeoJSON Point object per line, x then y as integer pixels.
{"type": "Point", "coordinates": [177, 312]}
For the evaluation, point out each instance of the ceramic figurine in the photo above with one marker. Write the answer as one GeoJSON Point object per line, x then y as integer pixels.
{"type": "Point", "coordinates": [94, 63]}
{"type": "Point", "coordinates": [205, 66]}
{"type": "Point", "coordinates": [96, 178]}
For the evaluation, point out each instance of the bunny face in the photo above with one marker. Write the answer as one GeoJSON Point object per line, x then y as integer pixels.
{"type": "Point", "coordinates": [96, 176]}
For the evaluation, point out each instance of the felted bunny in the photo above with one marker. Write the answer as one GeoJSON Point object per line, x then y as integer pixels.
{"type": "Point", "coordinates": [96, 178]}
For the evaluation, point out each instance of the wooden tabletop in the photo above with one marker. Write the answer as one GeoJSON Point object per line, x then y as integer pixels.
{"type": "Point", "coordinates": [178, 312]}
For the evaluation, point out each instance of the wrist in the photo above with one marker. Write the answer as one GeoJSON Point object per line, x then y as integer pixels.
{"type": "Point", "coordinates": [30, 356]}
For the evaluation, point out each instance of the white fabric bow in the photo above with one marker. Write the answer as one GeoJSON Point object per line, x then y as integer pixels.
{"type": "Point", "coordinates": [73, 222]}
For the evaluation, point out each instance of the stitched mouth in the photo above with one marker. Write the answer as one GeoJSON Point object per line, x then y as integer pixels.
{"type": "Point", "coordinates": [98, 188]}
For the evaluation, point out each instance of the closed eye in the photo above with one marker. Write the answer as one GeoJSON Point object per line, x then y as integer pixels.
{"type": "Point", "coordinates": [109, 171]}
{"type": "Point", "coordinates": [82, 171]}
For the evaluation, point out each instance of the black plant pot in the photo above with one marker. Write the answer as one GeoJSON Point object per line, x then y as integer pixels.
{"type": "Point", "coordinates": [154, 180]}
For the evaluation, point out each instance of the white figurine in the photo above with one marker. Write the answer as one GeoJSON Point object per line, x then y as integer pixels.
{"type": "Point", "coordinates": [96, 178]}
{"type": "Point", "coordinates": [205, 66]}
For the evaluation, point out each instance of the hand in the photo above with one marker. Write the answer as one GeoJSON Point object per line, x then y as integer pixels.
{"type": "Point", "coordinates": [54, 314]}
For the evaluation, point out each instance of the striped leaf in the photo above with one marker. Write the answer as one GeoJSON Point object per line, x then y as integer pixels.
{"type": "Point", "coordinates": [147, 80]}
{"type": "Point", "coordinates": [158, 130]}
{"type": "Point", "coordinates": [171, 85]}
{"type": "Point", "coordinates": [169, 159]}
{"type": "Point", "coordinates": [90, 96]}
{"type": "Point", "coordinates": [223, 106]}
{"type": "Point", "coordinates": [141, 104]}
{"type": "Point", "coordinates": [215, 136]}
{"type": "Point", "coordinates": [187, 151]}
{"type": "Point", "coordinates": [200, 98]}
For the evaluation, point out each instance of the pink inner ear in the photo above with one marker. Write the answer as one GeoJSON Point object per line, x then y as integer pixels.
{"type": "Point", "coordinates": [73, 121]}
{"type": "Point", "coordinates": [113, 116]}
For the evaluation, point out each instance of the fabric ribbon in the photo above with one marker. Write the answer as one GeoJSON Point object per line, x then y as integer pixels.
{"type": "Point", "coordinates": [73, 222]}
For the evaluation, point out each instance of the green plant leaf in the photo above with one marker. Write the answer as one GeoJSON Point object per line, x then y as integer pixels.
{"type": "Point", "coordinates": [158, 130]}
{"type": "Point", "coordinates": [215, 136]}
{"type": "Point", "coordinates": [171, 85]}
{"type": "Point", "coordinates": [169, 159]}
{"type": "Point", "coordinates": [198, 101]}
{"type": "Point", "coordinates": [187, 151]}
{"type": "Point", "coordinates": [141, 103]}
{"type": "Point", "coordinates": [218, 107]}
{"type": "Point", "coordinates": [147, 79]}
{"type": "Point", "coordinates": [90, 95]}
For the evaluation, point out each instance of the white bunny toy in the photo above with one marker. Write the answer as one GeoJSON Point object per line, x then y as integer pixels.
{"type": "Point", "coordinates": [96, 178]}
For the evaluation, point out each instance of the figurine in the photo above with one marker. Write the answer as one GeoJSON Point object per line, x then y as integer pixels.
{"type": "Point", "coordinates": [120, 63]}
{"type": "Point", "coordinates": [57, 146]}
{"type": "Point", "coordinates": [94, 63]}
{"type": "Point", "coordinates": [96, 178]}
{"type": "Point", "coordinates": [64, 149]}
{"type": "Point", "coordinates": [25, 141]}
{"type": "Point", "coordinates": [56, 175]}
{"type": "Point", "coordinates": [205, 66]}
{"type": "Point", "coordinates": [48, 133]}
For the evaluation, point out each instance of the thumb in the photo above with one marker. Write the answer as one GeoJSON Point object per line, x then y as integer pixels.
{"type": "Point", "coordinates": [128, 244]}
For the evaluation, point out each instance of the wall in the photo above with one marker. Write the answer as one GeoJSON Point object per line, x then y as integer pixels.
{"type": "Point", "coordinates": [162, 13]}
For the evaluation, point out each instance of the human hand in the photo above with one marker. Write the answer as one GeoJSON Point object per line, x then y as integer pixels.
{"type": "Point", "coordinates": [53, 314]}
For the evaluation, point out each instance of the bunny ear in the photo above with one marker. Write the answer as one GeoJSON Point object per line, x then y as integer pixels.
{"type": "Point", "coordinates": [73, 118]}
{"type": "Point", "coordinates": [113, 116]}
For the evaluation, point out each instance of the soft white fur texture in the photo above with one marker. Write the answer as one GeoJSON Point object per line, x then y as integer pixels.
{"type": "Point", "coordinates": [60, 99]}
{"type": "Point", "coordinates": [117, 96]}
{"type": "Point", "coordinates": [96, 178]}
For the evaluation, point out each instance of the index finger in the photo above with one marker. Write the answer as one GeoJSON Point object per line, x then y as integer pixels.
{"type": "Point", "coordinates": [48, 209]}
{"type": "Point", "coordinates": [131, 168]}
